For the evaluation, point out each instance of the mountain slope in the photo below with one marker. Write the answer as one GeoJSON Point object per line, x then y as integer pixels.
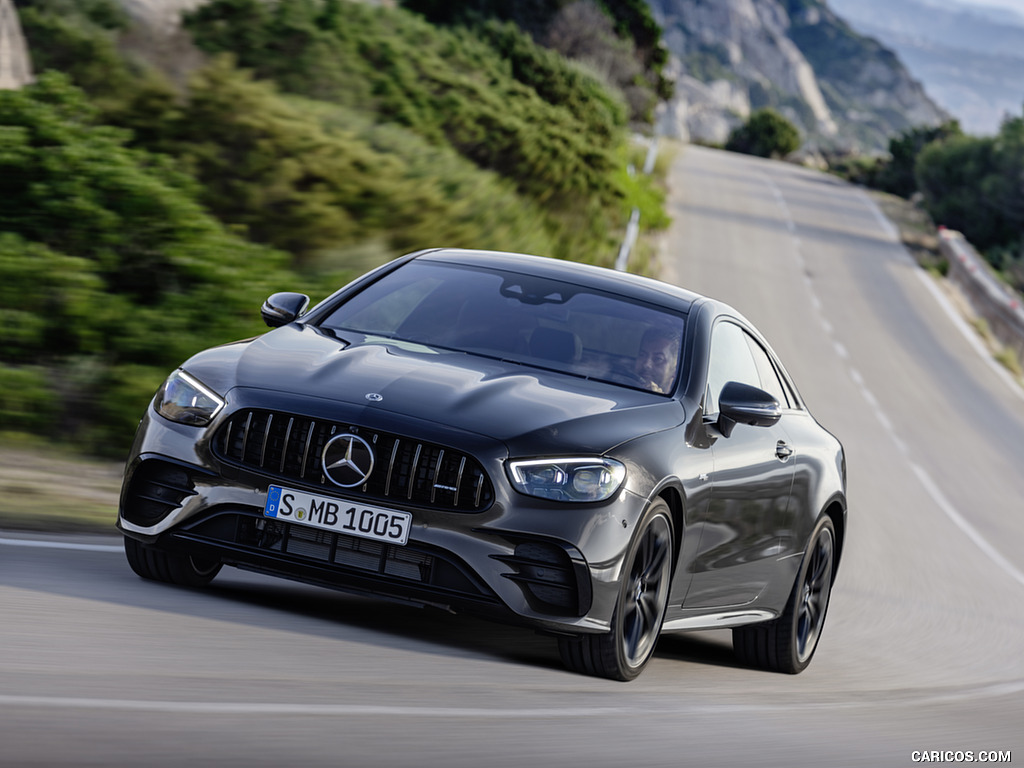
{"type": "Point", "coordinates": [734, 56]}
{"type": "Point", "coordinates": [969, 59]}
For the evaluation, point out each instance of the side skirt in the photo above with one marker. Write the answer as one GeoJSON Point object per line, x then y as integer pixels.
{"type": "Point", "coordinates": [718, 620]}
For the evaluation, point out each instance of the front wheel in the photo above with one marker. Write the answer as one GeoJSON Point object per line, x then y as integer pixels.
{"type": "Point", "coordinates": [157, 565]}
{"type": "Point", "coordinates": [643, 596]}
{"type": "Point", "coordinates": [788, 643]}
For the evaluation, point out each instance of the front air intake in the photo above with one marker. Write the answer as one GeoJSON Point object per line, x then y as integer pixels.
{"type": "Point", "coordinates": [156, 489]}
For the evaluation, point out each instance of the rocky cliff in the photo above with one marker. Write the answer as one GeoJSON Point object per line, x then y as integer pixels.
{"type": "Point", "coordinates": [730, 57]}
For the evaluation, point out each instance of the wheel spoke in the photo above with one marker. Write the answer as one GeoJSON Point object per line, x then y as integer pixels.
{"type": "Point", "coordinates": [629, 614]}
{"type": "Point", "coordinates": [812, 615]}
{"type": "Point", "coordinates": [654, 570]}
{"type": "Point", "coordinates": [644, 555]}
{"type": "Point", "coordinates": [632, 637]}
{"type": "Point", "coordinates": [647, 609]}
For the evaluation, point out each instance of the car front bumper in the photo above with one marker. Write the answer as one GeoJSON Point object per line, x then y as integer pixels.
{"type": "Point", "coordinates": [550, 565]}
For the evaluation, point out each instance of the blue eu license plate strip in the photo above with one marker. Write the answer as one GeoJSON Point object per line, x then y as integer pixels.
{"type": "Point", "coordinates": [339, 515]}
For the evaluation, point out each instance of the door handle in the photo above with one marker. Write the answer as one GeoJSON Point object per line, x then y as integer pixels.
{"type": "Point", "coordinates": [782, 450]}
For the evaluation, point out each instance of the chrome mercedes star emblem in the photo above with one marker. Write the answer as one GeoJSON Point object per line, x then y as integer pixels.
{"type": "Point", "coordinates": [373, 397]}
{"type": "Point", "coordinates": [348, 460]}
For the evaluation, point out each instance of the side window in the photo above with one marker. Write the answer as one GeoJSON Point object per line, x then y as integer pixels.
{"type": "Point", "coordinates": [770, 382]}
{"type": "Point", "coordinates": [731, 360]}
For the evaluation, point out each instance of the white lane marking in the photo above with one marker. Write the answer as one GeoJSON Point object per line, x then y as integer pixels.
{"type": "Point", "coordinates": [62, 545]}
{"type": "Point", "coordinates": [960, 522]}
{"type": "Point", "coordinates": [884, 421]}
{"type": "Point", "coordinates": [968, 333]}
{"type": "Point", "coordinates": [857, 700]}
{"type": "Point", "coordinates": [965, 330]}
{"type": "Point", "coordinates": [269, 708]}
{"type": "Point", "coordinates": [925, 479]}
{"type": "Point", "coordinates": [902, 446]}
{"type": "Point", "coordinates": [887, 226]}
{"type": "Point", "coordinates": [870, 397]}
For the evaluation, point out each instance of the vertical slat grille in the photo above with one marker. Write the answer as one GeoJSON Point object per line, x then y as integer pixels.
{"type": "Point", "coordinates": [290, 447]}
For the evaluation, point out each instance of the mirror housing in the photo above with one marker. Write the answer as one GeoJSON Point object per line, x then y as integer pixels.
{"type": "Point", "coordinates": [282, 308]}
{"type": "Point", "coordinates": [744, 404]}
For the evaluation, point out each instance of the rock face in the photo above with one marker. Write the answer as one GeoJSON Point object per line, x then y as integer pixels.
{"type": "Point", "coordinates": [731, 57]}
{"type": "Point", "coordinates": [15, 66]}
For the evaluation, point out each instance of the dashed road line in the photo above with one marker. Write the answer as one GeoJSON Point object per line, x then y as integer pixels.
{"type": "Point", "coordinates": [923, 477]}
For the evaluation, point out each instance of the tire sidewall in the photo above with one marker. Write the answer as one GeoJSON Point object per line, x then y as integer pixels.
{"type": "Point", "coordinates": [658, 509]}
{"type": "Point", "coordinates": [797, 664]}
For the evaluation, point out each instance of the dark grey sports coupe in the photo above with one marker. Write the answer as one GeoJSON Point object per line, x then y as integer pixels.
{"type": "Point", "coordinates": [597, 455]}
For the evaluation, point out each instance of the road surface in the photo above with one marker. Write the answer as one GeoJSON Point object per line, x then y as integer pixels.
{"type": "Point", "coordinates": [921, 650]}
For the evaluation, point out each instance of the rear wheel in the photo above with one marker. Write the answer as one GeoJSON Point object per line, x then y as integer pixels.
{"type": "Point", "coordinates": [643, 596]}
{"type": "Point", "coordinates": [788, 643]}
{"type": "Point", "coordinates": [157, 565]}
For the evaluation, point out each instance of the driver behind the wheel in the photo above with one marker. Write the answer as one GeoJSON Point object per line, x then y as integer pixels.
{"type": "Point", "coordinates": [657, 358]}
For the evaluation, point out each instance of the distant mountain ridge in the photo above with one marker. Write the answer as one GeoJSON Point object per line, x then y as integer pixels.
{"type": "Point", "coordinates": [971, 59]}
{"type": "Point", "coordinates": [730, 57]}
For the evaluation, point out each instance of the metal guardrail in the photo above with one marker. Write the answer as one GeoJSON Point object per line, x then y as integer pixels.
{"type": "Point", "coordinates": [999, 305]}
{"type": "Point", "coordinates": [633, 227]}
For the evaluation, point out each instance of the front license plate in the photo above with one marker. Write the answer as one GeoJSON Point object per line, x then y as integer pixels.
{"type": "Point", "coordinates": [338, 515]}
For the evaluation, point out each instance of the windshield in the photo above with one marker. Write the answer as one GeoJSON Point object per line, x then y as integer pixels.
{"type": "Point", "coordinates": [519, 318]}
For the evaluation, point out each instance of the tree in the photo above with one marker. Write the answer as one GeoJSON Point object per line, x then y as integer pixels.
{"type": "Point", "coordinates": [976, 185]}
{"type": "Point", "coordinates": [950, 175]}
{"type": "Point", "coordinates": [897, 175]}
{"type": "Point", "coordinates": [765, 134]}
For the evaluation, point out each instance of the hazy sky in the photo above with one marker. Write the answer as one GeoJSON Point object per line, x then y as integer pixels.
{"type": "Point", "coordinates": [1013, 5]}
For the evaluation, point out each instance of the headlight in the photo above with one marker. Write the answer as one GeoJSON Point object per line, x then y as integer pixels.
{"type": "Point", "coordinates": [582, 479]}
{"type": "Point", "coordinates": [187, 401]}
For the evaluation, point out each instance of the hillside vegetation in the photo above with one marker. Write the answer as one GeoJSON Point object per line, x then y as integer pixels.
{"type": "Point", "coordinates": [971, 184]}
{"type": "Point", "coordinates": [143, 221]}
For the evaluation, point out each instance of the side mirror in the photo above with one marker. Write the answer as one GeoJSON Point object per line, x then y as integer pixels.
{"type": "Point", "coordinates": [744, 404]}
{"type": "Point", "coordinates": [282, 308]}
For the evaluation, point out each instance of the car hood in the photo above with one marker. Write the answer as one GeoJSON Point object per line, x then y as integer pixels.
{"type": "Point", "coordinates": [529, 409]}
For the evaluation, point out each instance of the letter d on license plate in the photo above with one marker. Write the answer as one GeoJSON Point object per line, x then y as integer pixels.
{"type": "Point", "coordinates": [338, 515]}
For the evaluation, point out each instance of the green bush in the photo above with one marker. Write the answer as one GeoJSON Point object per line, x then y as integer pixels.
{"type": "Point", "coordinates": [106, 257]}
{"type": "Point", "coordinates": [765, 134]}
{"type": "Point", "coordinates": [27, 403]}
{"type": "Point", "coordinates": [507, 108]}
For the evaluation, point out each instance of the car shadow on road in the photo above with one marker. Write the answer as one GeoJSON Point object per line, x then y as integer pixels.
{"type": "Point", "coordinates": [266, 603]}
{"type": "Point", "coordinates": [378, 621]}
{"type": "Point", "coordinates": [705, 648]}
{"type": "Point", "coordinates": [433, 630]}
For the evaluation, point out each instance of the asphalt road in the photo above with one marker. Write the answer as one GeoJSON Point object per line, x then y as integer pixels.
{"type": "Point", "coordinates": [921, 651]}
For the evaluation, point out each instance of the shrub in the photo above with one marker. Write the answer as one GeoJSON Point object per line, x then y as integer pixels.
{"type": "Point", "coordinates": [765, 134]}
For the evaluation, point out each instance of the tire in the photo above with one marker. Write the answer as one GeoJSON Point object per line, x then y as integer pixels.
{"type": "Point", "coordinates": [156, 565]}
{"type": "Point", "coordinates": [623, 653]}
{"type": "Point", "coordinates": [787, 644]}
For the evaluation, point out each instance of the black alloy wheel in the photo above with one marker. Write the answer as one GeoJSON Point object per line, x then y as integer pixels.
{"type": "Point", "coordinates": [643, 597]}
{"type": "Point", "coordinates": [156, 565]}
{"type": "Point", "coordinates": [787, 644]}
